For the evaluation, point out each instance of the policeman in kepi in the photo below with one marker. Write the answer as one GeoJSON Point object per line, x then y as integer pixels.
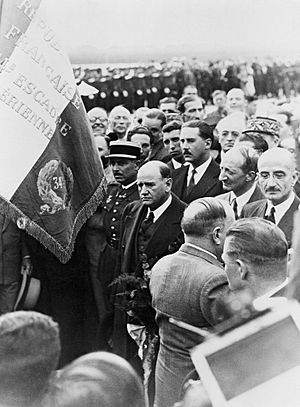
{"type": "Point", "coordinates": [104, 226]}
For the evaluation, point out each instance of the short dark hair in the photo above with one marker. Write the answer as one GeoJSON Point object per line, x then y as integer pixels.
{"type": "Point", "coordinates": [156, 114]}
{"type": "Point", "coordinates": [218, 92]}
{"type": "Point", "coordinates": [173, 125]}
{"type": "Point", "coordinates": [257, 139]}
{"type": "Point", "coordinates": [29, 353]}
{"type": "Point", "coordinates": [205, 130]}
{"type": "Point", "coordinates": [186, 99]}
{"type": "Point", "coordinates": [140, 130]}
{"type": "Point", "coordinates": [202, 215]}
{"type": "Point", "coordinates": [257, 241]}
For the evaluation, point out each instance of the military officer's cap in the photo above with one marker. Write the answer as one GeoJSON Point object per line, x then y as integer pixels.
{"type": "Point", "coordinates": [125, 149]}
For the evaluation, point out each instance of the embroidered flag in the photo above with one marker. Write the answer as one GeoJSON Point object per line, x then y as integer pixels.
{"type": "Point", "coordinates": [51, 177]}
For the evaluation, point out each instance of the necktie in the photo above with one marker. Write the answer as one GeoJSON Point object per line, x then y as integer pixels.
{"type": "Point", "coordinates": [147, 222]}
{"type": "Point", "coordinates": [234, 207]}
{"type": "Point", "coordinates": [271, 216]}
{"type": "Point", "coordinates": [192, 182]}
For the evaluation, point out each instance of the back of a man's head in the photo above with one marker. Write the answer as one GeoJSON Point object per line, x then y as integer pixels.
{"type": "Point", "coordinates": [29, 353]}
{"type": "Point", "coordinates": [202, 215]}
{"type": "Point", "coordinates": [98, 379]}
{"type": "Point", "coordinates": [262, 247]}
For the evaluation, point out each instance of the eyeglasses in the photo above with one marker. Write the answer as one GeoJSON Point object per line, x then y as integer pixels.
{"type": "Point", "coordinates": [99, 119]}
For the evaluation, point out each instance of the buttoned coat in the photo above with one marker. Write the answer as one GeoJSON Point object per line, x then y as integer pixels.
{"type": "Point", "coordinates": [208, 185]}
{"type": "Point", "coordinates": [258, 209]}
{"type": "Point", "coordinates": [184, 286]}
{"type": "Point", "coordinates": [167, 236]}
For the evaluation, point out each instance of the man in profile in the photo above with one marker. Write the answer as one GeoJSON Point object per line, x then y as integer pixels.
{"type": "Point", "coordinates": [238, 175]}
{"type": "Point", "coordinates": [29, 352]}
{"type": "Point", "coordinates": [255, 257]}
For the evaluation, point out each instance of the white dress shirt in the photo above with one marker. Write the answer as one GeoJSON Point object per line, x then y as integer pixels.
{"type": "Point", "coordinates": [199, 171]}
{"type": "Point", "coordinates": [160, 210]}
{"type": "Point", "coordinates": [242, 199]}
{"type": "Point", "coordinates": [281, 208]}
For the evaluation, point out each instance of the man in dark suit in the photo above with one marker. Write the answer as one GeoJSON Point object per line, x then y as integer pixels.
{"type": "Point", "coordinates": [201, 177]}
{"type": "Point", "coordinates": [238, 175]}
{"type": "Point", "coordinates": [150, 229]}
{"type": "Point", "coordinates": [186, 286]}
{"type": "Point", "coordinates": [277, 176]}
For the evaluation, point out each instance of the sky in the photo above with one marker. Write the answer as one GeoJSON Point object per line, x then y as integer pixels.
{"type": "Point", "coordinates": [146, 29]}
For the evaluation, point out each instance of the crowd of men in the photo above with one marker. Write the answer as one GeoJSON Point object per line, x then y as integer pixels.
{"type": "Point", "coordinates": [138, 85]}
{"type": "Point", "coordinates": [199, 205]}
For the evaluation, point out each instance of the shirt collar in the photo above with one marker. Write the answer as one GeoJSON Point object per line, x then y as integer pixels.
{"type": "Point", "coordinates": [281, 208]}
{"type": "Point", "coordinates": [176, 164]}
{"type": "Point", "coordinates": [129, 185]}
{"type": "Point", "coordinates": [242, 199]}
{"type": "Point", "coordinates": [160, 210]}
{"type": "Point", "coordinates": [200, 248]}
{"type": "Point", "coordinates": [261, 300]}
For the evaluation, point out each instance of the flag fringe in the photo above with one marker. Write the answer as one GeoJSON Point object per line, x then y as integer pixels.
{"type": "Point", "coordinates": [63, 253]}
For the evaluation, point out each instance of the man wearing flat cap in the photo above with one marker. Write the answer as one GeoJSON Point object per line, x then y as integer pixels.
{"type": "Point", "coordinates": [265, 126]}
{"type": "Point", "coordinates": [104, 226]}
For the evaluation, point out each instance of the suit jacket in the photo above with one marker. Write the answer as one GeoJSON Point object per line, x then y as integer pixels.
{"type": "Point", "coordinates": [184, 286]}
{"type": "Point", "coordinates": [162, 236]}
{"type": "Point", "coordinates": [166, 236]}
{"type": "Point", "coordinates": [209, 184]}
{"type": "Point", "coordinates": [258, 209]}
{"type": "Point", "coordinates": [256, 196]}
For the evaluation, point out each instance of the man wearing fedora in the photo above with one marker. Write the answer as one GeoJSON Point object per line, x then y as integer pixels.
{"type": "Point", "coordinates": [103, 230]}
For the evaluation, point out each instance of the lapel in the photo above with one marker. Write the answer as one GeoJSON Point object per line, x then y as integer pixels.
{"type": "Point", "coordinates": [256, 196]}
{"type": "Point", "coordinates": [180, 180]}
{"type": "Point", "coordinates": [167, 219]}
{"type": "Point", "coordinates": [207, 182]}
{"type": "Point", "coordinates": [286, 223]}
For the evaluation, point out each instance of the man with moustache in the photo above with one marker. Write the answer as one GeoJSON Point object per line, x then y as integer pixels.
{"type": "Point", "coordinates": [98, 120]}
{"type": "Point", "coordinates": [201, 177]}
{"type": "Point", "coordinates": [277, 176]}
{"type": "Point", "coordinates": [238, 174]}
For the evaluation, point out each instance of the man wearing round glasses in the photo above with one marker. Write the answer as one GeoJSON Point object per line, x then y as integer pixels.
{"type": "Point", "coordinates": [99, 121]}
